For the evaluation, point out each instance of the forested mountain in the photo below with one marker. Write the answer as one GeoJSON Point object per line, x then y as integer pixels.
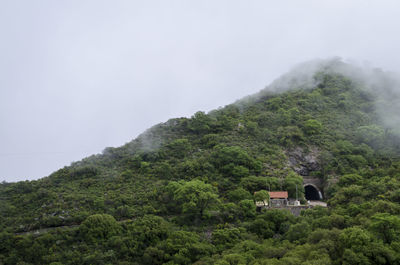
{"type": "Point", "coordinates": [183, 191]}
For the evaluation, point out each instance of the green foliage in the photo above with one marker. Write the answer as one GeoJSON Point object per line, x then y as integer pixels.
{"type": "Point", "coordinates": [200, 123]}
{"type": "Point", "coordinates": [247, 209]}
{"type": "Point", "coordinates": [99, 227]}
{"type": "Point", "coordinates": [263, 228]}
{"type": "Point", "coordinates": [372, 135]}
{"type": "Point", "coordinates": [298, 233]}
{"type": "Point", "coordinates": [233, 161]}
{"type": "Point", "coordinates": [239, 194]}
{"type": "Point", "coordinates": [290, 136]}
{"type": "Point", "coordinates": [386, 226]}
{"type": "Point", "coordinates": [281, 219]}
{"type": "Point", "coordinates": [290, 183]}
{"type": "Point", "coordinates": [195, 196]}
{"type": "Point", "coordinates": [147, 232]}
{"type": "Point", "coordinates": [185, 247]}
{"type": "Point", "coordinates": [254, 183]}
{"type": "Point", "coordinates": [178, 148]}
{"type": "Point", "coordinates": [261, 195]}
{"type": "Point", "coordinates": [312, 127]}
{"type": "Point", "coordinates": [183, 192]}
{"type": "Point", "coordinates": [350, 179]}
{"type": "Point", "coordinates": [225, 238]}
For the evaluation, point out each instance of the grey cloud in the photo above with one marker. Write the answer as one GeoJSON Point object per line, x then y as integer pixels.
{"type": "Point", "coordinates": [77, 76]}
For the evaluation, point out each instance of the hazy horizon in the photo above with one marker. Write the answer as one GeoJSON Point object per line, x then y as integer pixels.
{"type": "Point", "coordinates": [79, 76]}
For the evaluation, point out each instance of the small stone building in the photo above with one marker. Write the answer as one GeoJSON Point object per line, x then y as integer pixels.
{"type": "Point", "coordinates": [278, 198]}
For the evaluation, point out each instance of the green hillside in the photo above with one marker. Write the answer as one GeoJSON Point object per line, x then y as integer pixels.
{"type": "Point", "coordinates": [183, 191]}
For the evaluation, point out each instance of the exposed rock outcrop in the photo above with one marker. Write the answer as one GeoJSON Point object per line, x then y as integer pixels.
{"type": "Point", "coordinates": [303, 163]}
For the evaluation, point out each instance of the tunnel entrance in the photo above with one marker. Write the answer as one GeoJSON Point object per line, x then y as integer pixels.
{"type": "Point", "coordinates": [312, 193]}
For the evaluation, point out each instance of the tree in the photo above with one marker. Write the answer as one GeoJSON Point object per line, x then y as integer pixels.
{"type": "Point", "coordinates": [254, 183]}
{"type": "Point", "coordinates": [290, 182]}
{"type": "Point", "coordinates": [247, 208]}
{"type": "Point", "coordinates": [290, 135]}
{"type": "Point", "coordinates": [350, 179]}
{"type": "Point", "coordinates": [225, 155]}
{"type": "Point", "coordinates": [238, 195]}
{"type": "Point", "coordinates": [178, 148]}
{"type": "Point", "coordinates": [230, 259]}
{"type": "Point", "coordinates": [200, 123]}
{"type": "Point", "coordinates": [356, 245]}
{"type": "Point", "coordinates": [261, 195]}
{"type": "Point", "coordinates": [148, 231]}
{"type": "Point", "coordinates": [195, 196]}
{"type": "Point", "coordinates": [225, 238]}
{"type": "Point", "coordinates": [99, 227]}
{"type": "Point", "coordinates": [185, 247]}
{"type": "Point", "coordinates": [372, 135]}
{"type": "Point", "coordinates": [262, 228]}
{"type": "Point", "coordinates": [281, 219]}
{"type": "Point", "coordinates": [298, 232]}
{"type": "Point", "coordinates": [312, 127]}
{"type": "Point", "coordinates": [386, 226]}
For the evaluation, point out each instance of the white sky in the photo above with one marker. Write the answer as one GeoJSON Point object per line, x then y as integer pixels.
{"type": "Point", "coordinates": [78, 76]}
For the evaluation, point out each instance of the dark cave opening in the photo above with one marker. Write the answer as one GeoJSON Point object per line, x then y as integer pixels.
{"type": "Point", "coordinates": [311, 193]}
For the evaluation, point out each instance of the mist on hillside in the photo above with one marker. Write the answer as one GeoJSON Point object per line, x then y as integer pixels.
{"type": "Point", "coordinates": [382, 86]}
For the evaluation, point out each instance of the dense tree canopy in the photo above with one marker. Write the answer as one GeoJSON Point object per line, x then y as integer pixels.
{"type": "Point", "coordinates": [184, 192]}
{"type": "Point", "coordinates": [195, 196]}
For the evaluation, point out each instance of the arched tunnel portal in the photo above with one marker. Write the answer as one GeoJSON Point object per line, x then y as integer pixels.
{"type": "Point", "coordinates": [312, 193]}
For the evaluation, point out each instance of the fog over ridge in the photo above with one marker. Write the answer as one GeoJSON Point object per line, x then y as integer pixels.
{"type": "Point", "coordinates": [383, 85]}
{"type": "Point", "coordinates": [79, 76]}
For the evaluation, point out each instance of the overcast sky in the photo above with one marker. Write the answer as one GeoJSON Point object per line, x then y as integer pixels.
{"type": "Point", "coordinates": [78, 76]}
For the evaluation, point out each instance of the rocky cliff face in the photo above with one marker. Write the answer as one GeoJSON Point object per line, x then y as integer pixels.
{"type": "Point", "coordinates": [302, 162]}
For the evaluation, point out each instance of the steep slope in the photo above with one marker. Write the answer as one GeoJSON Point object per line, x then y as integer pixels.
{"type": "Point", "coordinates": [183, 191]}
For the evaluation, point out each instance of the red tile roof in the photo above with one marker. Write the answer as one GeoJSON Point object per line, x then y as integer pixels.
{"type": "Point", "coordinates": [278, 194]}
